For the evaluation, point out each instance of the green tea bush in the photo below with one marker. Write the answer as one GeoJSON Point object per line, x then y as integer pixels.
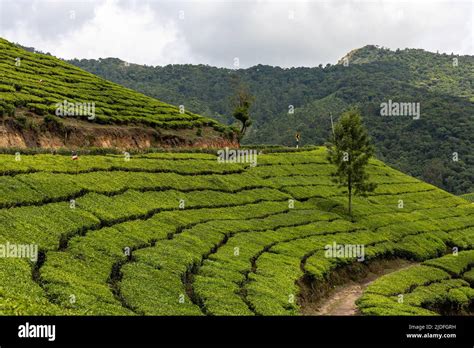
{"type": "Point", "coordinates": [116, 236]}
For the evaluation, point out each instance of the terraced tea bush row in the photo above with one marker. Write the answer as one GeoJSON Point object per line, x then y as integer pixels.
{"type": "Point", "coordinates": [136, 204]}
{"type": "Point", "coordinates": [44, 225]}
{"type": "Point", "coordinates": [53, 186]}
{"type": "Point", "coordinates": [323, 169]}
{"type": "Point", "coordinates": [463, 238]}
{"type": "Point", "coordinates": [436, 286]}
{"type": "Point", "coordinates": [64, 164]}
{"type": "Point", "coordinates": [19, 294]}
{"type": "Point", "coordinates": [454, 264]}
{"type": "Point", "coordinates": [468, 196]}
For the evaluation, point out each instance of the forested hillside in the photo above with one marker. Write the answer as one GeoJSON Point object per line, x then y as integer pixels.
{"type": "Point", "coordinates": [436, 147]}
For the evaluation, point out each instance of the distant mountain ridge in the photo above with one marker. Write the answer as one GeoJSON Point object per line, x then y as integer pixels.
{"type": "Point", "coordinates": [432, 74]}
{"type": "Point", "coordinates": [301, 100]}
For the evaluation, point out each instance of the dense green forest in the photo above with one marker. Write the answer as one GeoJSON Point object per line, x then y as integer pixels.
{"type": "Point", "coordinates": [437, 147]}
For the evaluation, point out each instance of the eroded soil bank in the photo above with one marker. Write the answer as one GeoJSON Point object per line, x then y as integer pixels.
{"type": "Point", "coordinates": [31, 131]}
{"type": "Point", "coordinates": [338, 295]}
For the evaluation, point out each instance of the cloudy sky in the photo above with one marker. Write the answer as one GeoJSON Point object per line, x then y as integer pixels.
{"type": "Point", "coordinates": [284, 33]}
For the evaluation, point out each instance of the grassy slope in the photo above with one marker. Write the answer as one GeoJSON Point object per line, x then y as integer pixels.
{"type": "Point", "coordinates": [42, 80]}
{"type": "Point", "coordinates": [235, 247]}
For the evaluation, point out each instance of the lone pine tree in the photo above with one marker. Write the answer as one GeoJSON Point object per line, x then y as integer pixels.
{"type": "Point", "coordinates": [350, 151]}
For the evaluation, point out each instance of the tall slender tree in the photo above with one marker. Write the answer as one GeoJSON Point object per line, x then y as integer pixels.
{"type": "Point", "coordinates": [350, 151]}
{"type": "Point", "coordinates": [241, 102]}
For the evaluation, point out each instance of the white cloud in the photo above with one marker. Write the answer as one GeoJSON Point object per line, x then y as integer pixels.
{"type": "Point", "coordinates": [137, 35]}
{"type": "Point", "coordinates": [214, 32]}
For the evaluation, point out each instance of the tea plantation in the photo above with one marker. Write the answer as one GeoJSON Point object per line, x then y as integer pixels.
{"type": "Point", "coordinates": [469, 197]}
{"type": "Point", "coordinates": [38, 82]}
{"type": "Point", "coordinates": [182, 234]}
{"type": "Point", "coordinates": [444, 284]}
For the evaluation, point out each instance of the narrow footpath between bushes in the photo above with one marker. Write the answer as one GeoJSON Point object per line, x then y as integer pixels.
{"type": "Point", "coordinates": [339, 295]}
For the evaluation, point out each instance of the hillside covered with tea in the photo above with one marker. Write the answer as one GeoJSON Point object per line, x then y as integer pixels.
{"type": "Point", "coordinates": [32, 85]}
{"type": "Point", "coordinates": [183, 234]}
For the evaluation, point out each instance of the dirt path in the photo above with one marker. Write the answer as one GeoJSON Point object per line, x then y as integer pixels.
{"type": "Point", "coordinates": [341, 300]}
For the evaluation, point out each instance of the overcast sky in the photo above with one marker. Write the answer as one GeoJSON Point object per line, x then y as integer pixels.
{"type": "Point", "coordinates": [283, 33]}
